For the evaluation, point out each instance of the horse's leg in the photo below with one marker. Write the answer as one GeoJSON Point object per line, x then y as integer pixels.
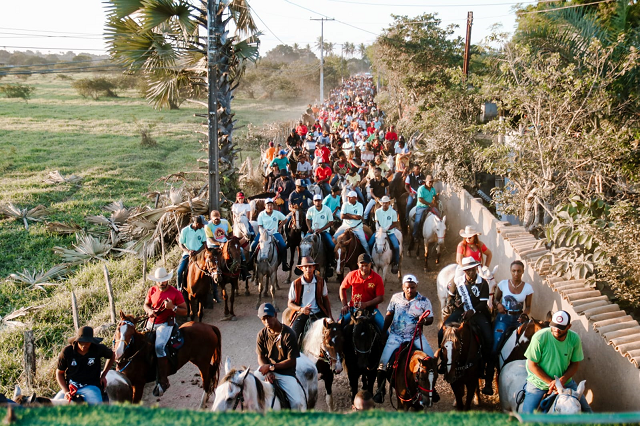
{"type": "Point", "coordinates": [458, 391]}
{"type": "Point", "coordinates": [246, 287]}
{"type": "Point", "coordinates": [426, 256]}
{"type": "Point", "coordinates": [137, 392]}
{"type": "Point", "coordinates": [226, 297]}
{"type": "Point", "coordinates": [438, 250]}
{"type": "Point", "coordinates": [259, 282]}
{"type": "Point", "coordinates": [272, 289]}
{"type": "Point", "coordinates": [328, 383]}
{"type": "Point", "coordinates": [206, 383]}
{"type": "Point", "coordinates": [234, 289]}
{"type": "Point", "coordinates": [193, 303]}
{"type": "Point", "coordinates": [202, 302]}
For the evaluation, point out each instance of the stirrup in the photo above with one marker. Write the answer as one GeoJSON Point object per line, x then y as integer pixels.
{"type": "Point", "coordinates": [378, 398]}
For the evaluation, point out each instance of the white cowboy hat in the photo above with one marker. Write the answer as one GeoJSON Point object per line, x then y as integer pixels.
{"type": "Point", "coordinates": [385, 199]}
{"type": "Point", "coordinates": [468, 263]}
{"type": "Point", "coordinates": [160, 275]}
{"type": "Point", "coordinates": [469, 231]}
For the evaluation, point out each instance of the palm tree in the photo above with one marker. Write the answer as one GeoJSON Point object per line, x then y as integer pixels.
{"type": "Point", "coordinates": [163, 41]}
{"type": "Point", "coordinates": [362, 50]}
{"type": "Point", "coordinates": [349, 48]}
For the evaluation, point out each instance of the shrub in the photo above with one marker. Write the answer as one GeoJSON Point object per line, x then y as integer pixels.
{"type": "Point", "coordinates": [144, 129]}
{"type": "Point", "coordinates": [17, 90]}
{"type": "Point", "coordinates": [95, 87]}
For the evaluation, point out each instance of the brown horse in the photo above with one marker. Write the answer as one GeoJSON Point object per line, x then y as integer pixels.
{"type": "Point", "coordinates": [347, 250]}
{"type": "Point", "coordinates": [135, 354]}
{"type": "Point", "coordinates": [514, 346]}
{"type": "Point", "coordinates": [203, 269]}
{"type": "Point", "coordinates": [414, 379]}
{"type": "Point", "coordinates": [460, 353]}
{"type": "Point", "coordinates": [229, 263]}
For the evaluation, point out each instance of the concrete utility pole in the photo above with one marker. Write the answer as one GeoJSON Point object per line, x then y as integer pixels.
{"type": "Point", "coordinates": [212, 80]}
{"type": "Point", "coordinates": [467, 45]}
{"type": "Point", "coordinates": [322, 55]}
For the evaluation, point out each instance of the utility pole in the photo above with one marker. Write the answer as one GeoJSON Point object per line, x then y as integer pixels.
{"type": "Point", "coordinates": [322, 55]}
{"type": "Point", "coordinates": [212, 80]}
{"type": "Point", "coordinates": [467, 45]}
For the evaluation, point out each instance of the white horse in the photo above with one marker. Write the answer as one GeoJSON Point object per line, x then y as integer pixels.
{"type": "Point", "coordinates": [383, 255]}
{"type": "Point", "coordinates": [243, 390]}
{"type": "Point", "coordinates": [446, 275]}
{"type": "Point", "coordinates": [433, 232]}
{"type": "Point", "coordinates": [512, 380]}
{"type": "Point", "coordinates": [314, 189]}
{"type": "Point", "coordinates": [266, 267]}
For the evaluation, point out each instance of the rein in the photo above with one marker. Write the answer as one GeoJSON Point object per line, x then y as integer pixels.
{"type": "Point", "coordinates": [240, 396]}
{"type": "Point", "coordinates": [373, 341]}
{"type": "Point", "coordinates": [129, 359]}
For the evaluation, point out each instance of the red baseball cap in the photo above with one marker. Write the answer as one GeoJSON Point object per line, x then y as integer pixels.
{"type": "Point", "coordinates": [240, 194]}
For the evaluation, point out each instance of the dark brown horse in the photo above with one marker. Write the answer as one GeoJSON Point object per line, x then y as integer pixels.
{"type": "Point", "coordinates": [414, 379]}
{"type": "Point", "coordinates": [347, 250]}
{"type": "Point", "coordinates": [363, 346]}
{"type": "Point", "coordinates": [293, 234]}
{"type": "Point", "coordinates": [203, 269]}
{"type": "Point", "coordinates": [229, 264]}
{"type": "Point", "coordinates": [135, 354]}
{"type": "Point", "coordinates": [460, 353]}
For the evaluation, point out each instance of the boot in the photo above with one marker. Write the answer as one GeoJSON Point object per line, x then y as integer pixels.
{"type": "Point", "coordinates": [488, 380]}
{"type": "Point", "coordinates": [283, 262]}
{"type": "Point", "coordinates": [244, 272]}
{"type": "Point", "coordinates": [378, 398]}
{"type": "Point", "coordinates": [394, 268]}
{"type": "Point", "coordinates": [163, 381]}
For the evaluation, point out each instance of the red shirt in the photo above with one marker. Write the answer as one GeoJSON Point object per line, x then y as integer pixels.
{"type": "Point", "coordinates": [391, 136]}
{"type": "Point", "coordinates": [301, 130]}
{"type": "Point", "coordinates": [323, 173]}
{"type": "Point", "coordinates": [468, 252]}
{"type": "Point", "coordinates": [155, 298]}
{"type": "Point", "coordinates": [371, 130]}
{"type": "Point", "coordinates": [363, 290]}
{"type": "Point", "coordinates": [324, 153]}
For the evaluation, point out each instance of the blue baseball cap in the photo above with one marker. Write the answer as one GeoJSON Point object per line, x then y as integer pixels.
{"type": "Point", "coordinates": [266, 310]}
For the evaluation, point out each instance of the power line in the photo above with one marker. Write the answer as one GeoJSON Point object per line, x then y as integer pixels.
{"type": "Point", "coordinates": [266, 26]}
{"type": "Point", "coordinates": [564, 7]}
{"type": "Point", "coordinates": [48, 31]}
{"type": "Point", "coordinates": [434, 5]}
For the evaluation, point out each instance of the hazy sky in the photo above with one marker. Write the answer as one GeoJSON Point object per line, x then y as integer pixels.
{"type": "Point", "coordinates": [53, 26]}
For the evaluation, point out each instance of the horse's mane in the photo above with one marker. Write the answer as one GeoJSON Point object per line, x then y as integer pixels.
{"type": "Point", "coordinates": [450, 333]}
{"type": "Point", "coordinates": [259, 388]}
{"type": "Point", "coordinates": [312, 343]}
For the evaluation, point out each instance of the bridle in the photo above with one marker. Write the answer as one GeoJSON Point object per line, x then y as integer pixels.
{"type": "Point", "coordinates": [207, 271]}
{"type": "Point", "coordinates": [128, 360]}
{"type": "Point", "coordinates": [373, 341]}
{"type": "Point", "coordinates": [459, 370]}
{"type": "Point", "coordinates": [239, 399]}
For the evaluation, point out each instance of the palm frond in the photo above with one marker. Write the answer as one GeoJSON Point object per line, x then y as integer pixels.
{"type": "Point", "coordinates": [241, 14]}
{"type": "Point", "coordinates": [56, 177]}
{"type": "Point", "coordinates": [36, 214]}
{"type": "Point", "coordinates": [122, 8]}
{"type": "Point", "coordinates": [39, 279]}
{"type": "Point", "coordinates": [63, 228]}
{"type": "Point", "coordinates": [87, 248]}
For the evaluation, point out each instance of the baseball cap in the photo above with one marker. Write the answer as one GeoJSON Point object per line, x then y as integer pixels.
{"type": "Point", "coordinates": [268, 200]}
{"type": "Point", "coordinates": [561, 320]}
{"type": "Point", "coordinates": [299, 182]}
{"type": "Point", "coordinates": [283, 152]}
{"type": "Point", "coordinates": [317, 197]}
{"type": "Point", "coordinates": [266, 310]}
{"type": "Point", "coordinates": [364, 258]}
{"type": "Point", "coordinates": [240, 194]}
{"type": "Point", "coordinates": [385, 199]}
{"type": "Point", "coordinates": [409, 278]}
{"type": "Point", "coordinates": [352, 194]}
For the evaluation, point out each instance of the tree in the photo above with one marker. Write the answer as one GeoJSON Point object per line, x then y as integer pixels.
{"type": "Point", "coordinates": [17, 90]}
{"type": "Point", "coordinates": [362, 50]}
{"type": "Point", "coordinates": [161, 39]}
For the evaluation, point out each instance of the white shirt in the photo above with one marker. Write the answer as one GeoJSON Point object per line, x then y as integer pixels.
{"type": "Point", "coordinates": [308, 294]}
{"type": "Point", "coordinates": [239, 209]}
{"type": "Point", "coordinates": [319, 218]}
{"type": "Point", "coordinates": [386, 218]}
{"type": "Point", "coordinates": [356, 209]}
{"type": "Point", "coordinates": [512, 301]}
{"type": "Point", "coordinates": [270, 222]}
{"type": "Point", "coordinates": [304, 167]}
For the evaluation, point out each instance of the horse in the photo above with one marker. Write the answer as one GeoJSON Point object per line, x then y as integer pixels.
{"type": "Point", "coordinates": [446, 275]}
{"type": "Point", "coordinates": [433, 231]}
{"type": "Point", "coordinates": [203, 268]}
{"type": "Point", "coordinates": [460, 352]}
{"type": "Point", "coordinates": [314, 189]}
{"type": "Point", "coordinates": [246, 391]}
{"type": "Point", "coordinates": [229, 264]}
{"type": "Point", "coordinates": [241, 230]}
{"type": "Point", "coordinates": [323, 344]}
{"type": "Point", "coordinates": [347, 250]}
{"type": "Point", "coordinates": [266, 267]}
{"type": "Point", "coordinates": [257, 206]}
{"type": "Point", "coordinates": [313, 246]}
{"type": "Point", "coordinates": [293, 235]}
{"type": "Point", "coordinates": [363, 345]}
{"type": "Point", "coordinates": [382, 253]}
{"type": "Point", "coordinates": [136, 360]}
{"type": "Point", "coordinates": [516, 344]}
{"type": "Point", "coordinates": [513, 381]}
{"type": "Point", "coordinates": [414, 379]}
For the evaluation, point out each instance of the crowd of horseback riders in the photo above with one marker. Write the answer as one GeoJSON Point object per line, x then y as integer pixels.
{"type": "Point", "coordinates": [341, 193]}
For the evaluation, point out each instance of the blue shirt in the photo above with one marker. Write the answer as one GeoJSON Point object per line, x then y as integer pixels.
{"type": "Point", "coordinates": [303, 198]}
{"type": "Point", "coordinates": [426, 194]}
{"type": "Point", "coordinates": [406, 314]}
{"type": "Point", "coordinates": [192, 238]}
{"type": "Point", "coordinates": [356, 209]}
{"type": "Point", "coordinates": [331, 202]}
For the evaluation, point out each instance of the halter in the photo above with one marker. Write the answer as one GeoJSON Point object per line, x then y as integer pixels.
{"type": "Point", "coordinates": [552, 409]}
{"type": "Point", "coordinates": [206, 271]}
{"type": "Point", "coordinates": [373, 341]}
{"type": "Point", "coordinates": [240, 397]}
{"type": "Point", "coordinates": [347, 247]}
{"type": "Point", "coordinates": [130, 359]}
{"type": "Point", "coordinates": [270, 253]}
{"type": "Point", "coordinates": [458, 371]}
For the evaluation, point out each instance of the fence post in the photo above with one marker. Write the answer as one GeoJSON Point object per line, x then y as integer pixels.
{"type": "Point", "coordinates": [144, 262]}
{"type": "Point", "coordinates": [112, 305]}
{"type": "Point", "coordinates": [164, 260]}
{"type": "Point", "coordinates": [29, 359]}
{"type": "Point", "coordinates": [74, 311]}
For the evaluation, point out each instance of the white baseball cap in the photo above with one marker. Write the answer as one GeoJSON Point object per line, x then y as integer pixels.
{"type": "Point", "coordinates": [352, 194]}
{"type": "Point", "coordinates": [317, 197]}
{"type": "Point", "coordinates": [268, 200]}
{"type": "Point", "coordinates": [386, 199]}
{"type": "Point", "coordinates": [561, 320]}
{"type": "Point", "coordinates": [409, 279]}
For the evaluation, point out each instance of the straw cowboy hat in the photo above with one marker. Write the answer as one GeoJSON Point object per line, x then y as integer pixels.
{"type": "Point", "coordinates": [468, 263]}
{"type": "Point", "coordinates": [307, 261]}
{"type": "Point", "coordinates": [160, 275]}
{"type": "Point", "coordinates": [468, 232]}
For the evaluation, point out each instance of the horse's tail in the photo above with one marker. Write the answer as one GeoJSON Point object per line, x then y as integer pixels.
{"type": "Point", "coordinates": [216, 359]}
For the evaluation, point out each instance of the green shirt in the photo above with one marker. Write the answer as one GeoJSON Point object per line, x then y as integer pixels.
{"type": "Point", "coordinates": [427, 194]}
{"type": "Point", "coordinates": [332, 202]}
{"type": "Point", "coordinates": [552, 355]}
{"type": "Point", "coordinates": [282, 163]}
{"type": "Point", "coordinates": [192, 238]}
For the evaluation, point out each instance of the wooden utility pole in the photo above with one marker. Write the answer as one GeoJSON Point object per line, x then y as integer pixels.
{"type": "Point", "coordinates": [112, 304]}
{"type": "Point", "coordinates": [467, 45]}
{"type": "Point", "coordinates": [322, 55]}
{"type": "Point", "coordinates": [212, 79]}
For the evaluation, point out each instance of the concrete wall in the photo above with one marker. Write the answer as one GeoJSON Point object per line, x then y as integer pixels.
{"type": "Point", "coordinates": [613, 382]}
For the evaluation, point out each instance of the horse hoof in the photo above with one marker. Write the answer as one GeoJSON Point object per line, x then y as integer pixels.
{"type": "Point", "coordinates": [233, 318]}
{"type": "Point", "coordinates": [247, 293]}
{"type": "Point", "coordinates": [225, 318]}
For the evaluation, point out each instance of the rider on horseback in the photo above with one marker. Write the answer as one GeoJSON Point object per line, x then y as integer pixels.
{"type": "Point", "coordinates": [269, 220]}
{"type": "Point", "coordinates": [351, 215]}
{"type": "Point", "coordinates": [378, 188]}
{"type": "Point", "coordinates": [162, 304]}
{"type": "Point", "coordinates": [404, 313]}
{"type": "Point", "coordinates": [427, 199]}
{"type": "Point", "coordinates": [277, 350]}
{"type": "Point", "coordinates": [387, 219]}
{"type": "Point", "coordinates": [467, 301]}
{"type": "Point", "coordinates": [308, 297]}
{"type": "Point", "coordinates": [192, 237]}
{"type": "Point", "coordinates": [319, 219]}
{"type": "Point", "coordinates": [217, 231]}
{"type": "Point", "coordinates": [301, 198]}
{"type": "Point", "coordinates": [367, 291]}
{"type": "Point", "coordinates": [412, 183]}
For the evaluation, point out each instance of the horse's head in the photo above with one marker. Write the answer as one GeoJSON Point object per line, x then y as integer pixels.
{"type": "Point", "coordinates": [241, 226]}
{"type": "Point", "coordinates": [568, 400]}
{"type": "Point", "coordinates": [343, 243]}
{"type": "Point", "coordinates": [451, 349]}
{"type": "Point", "coordinates": [490, 277]}
{"type": "Point", "coordinates": [440, 230]}
{"type": "Point", "coordinates": [211, 258]}
{"type": "Point", "coordinates": [125, 334]}
{"type": "Point", "coordinates": [266, 246]}
{"type": "Point", "coordinates": [364, 336]}
{"type": "Point", "coordinates": [381, 240]}
{"type": "Point", "coordinates": [426, 377]}
{"type": "Point", "coordinates": [309, 245]}
{"type": "Point", "coordinates": [232, 250]}
{"type": "Point", "coordinates": [239, 390]}
{"type": "Point", "coordinates": [332, 342]}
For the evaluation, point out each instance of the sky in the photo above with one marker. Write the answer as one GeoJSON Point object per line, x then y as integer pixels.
{"type": "Point", "coordinates": [77, 25]}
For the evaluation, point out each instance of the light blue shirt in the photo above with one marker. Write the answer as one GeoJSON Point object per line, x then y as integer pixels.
{"type": "Point", "coordinates": [270, 222]}
{"type": "Point", "coordinates": [406, 314]}
{"type": "Point", "coordinates": [356, 209]}
{"type": "Point", "coordinates": [319, 218]}
{"type": "Point", "coordinates": [386, 219]}
{"type": "Point", "coordinates": [332, 202]}
{"type": "Point", "coordinates": [192, 238]}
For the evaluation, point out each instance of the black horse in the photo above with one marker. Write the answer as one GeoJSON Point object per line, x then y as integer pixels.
{"type": "Point", "coordinates": [363, 345]}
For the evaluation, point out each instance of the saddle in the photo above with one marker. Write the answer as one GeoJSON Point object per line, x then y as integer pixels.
{"type": "Point", "coordinates": [282, 396]}
{"type": "Point", "coordinates": [175, 342]}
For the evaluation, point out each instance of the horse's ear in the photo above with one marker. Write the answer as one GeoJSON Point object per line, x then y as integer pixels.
{"type": "Point", "coordinates": [33, 398]}
{"type": "Point", "coordinates": [121, 315]}
{"type": "Point", "coordinates": [325, 322]}
{"type": "Point", "coordinates": [580, 390]}
{"type": "Point", "coordinates": [227, 365]}
{"type": "Point", "coordinates": [548, 319]}
{"type": "Point", "coordinates": [444, 219]}
{"type": "Point", "coordinates": [245, 373]}
{"type": "Point", "coordinates": [495, 268]}
{"type": "Point", "coordinates": [17, 392]}
{"type": "Point", "coordinates": [437, 354]}
{"type": "Point", "coordinates": [559, 384]}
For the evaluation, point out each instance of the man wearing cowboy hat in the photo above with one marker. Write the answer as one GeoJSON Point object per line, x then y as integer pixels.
{"type": "Point", "coordinates": [367, 291]}
{"type": "Point", "coordinates": [308, 297]}
{"type": "Point", "coordinates": [467, 299]}
{"type": "Point", "coordinates": [162, 304]}
{"type": "Point", "coordinates": [387, 220]}
{"type": "Point", "coordinates": [553, 352]}
{"type": "Point", "coordinates": [427, 198]}
{"type": "Point", "coordinates": [79, 367]}
{"type": "Point", "coordinates": [404, 313]}
{"type": "Point", "coordinates": [351, 215]}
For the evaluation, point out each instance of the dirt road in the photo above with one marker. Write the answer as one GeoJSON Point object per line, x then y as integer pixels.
{"type": "Point", "coordinates": [238, 338]}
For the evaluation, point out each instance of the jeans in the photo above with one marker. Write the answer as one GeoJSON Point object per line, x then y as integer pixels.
{"type": "Point", "coordinates": [91, 394]}
{"type": "Point", "coordinates": [329, 245]}
{"type": "Point", "coordinates": [358, 232]}
{"type": "Point", "coordinates": [395, 246]}
{"type": "Point", "coordinates": [282, 246]}
{"type": "Point", "coordinates": [533, 396]}
{"type": "Point", "coordinates": [410, 200]}
{"type": "Point", "coordinates": [360, 196]}
{"type": "Point", "coordinates": [501, 324]}
{"type": "Point", "coordinates": [300, 322]}
{"type": "Point", "coordinates": [293, 389]}
{"type": "Point", "coordinates": [183, 269]}
{"type": "Point", "coordinates": [335, 179]}
{"type": "Point", "coordinates": [394, 341]}
{"type": "Point", "coordinates": [163, 334]}
{"type": "Point", "coordinates": [326, 188]}
{"type": "Point", "coordinates": [378, 319]}
{"type": "Point", "coordinates": [367, 210]}
{"type": "Point", "coordinates": [416, 221]}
